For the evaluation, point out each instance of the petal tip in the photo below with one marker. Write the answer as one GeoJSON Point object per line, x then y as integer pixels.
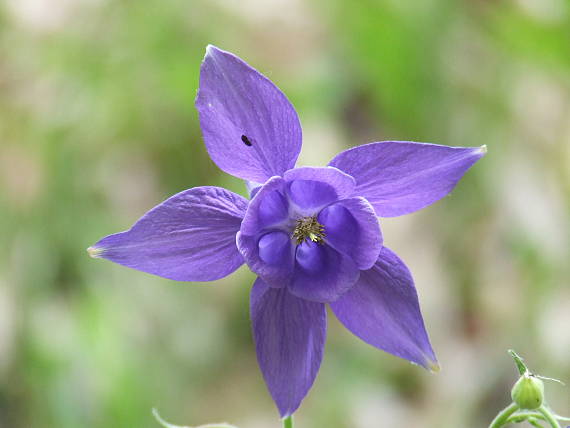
{"type": "Point", "coordinates": [211, 50]}
{"type": "Point", "coordinates": [433, 366]}
{"type": "Point", "coordinates": [95, 252]}
{"type": "Point", "coordinates": [483, 149]}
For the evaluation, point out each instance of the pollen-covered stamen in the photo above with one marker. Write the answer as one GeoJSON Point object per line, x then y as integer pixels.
{"type": "Point", "coordinates": [308, 228]}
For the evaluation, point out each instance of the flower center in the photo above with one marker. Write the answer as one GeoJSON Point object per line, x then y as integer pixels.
{"type": "Point", "coordinates": [308, 228]}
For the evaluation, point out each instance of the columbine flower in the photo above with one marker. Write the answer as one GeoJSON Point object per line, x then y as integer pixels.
{"type": "Point", "coordinates": [311, 234]}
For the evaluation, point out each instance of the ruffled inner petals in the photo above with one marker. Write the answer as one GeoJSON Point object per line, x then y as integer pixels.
{"type": "Point", "coordinates": [311, 257]}
{"type": "Point", "coordinates": [310, 194]}
{"type": "Point", "coordinates": [312, 188]}
{"type": "Point", "coordinates": [352, 228]}
{"type": "Point", "coordinates": [273, 209]}
{"type": "Point", "coordinates": [274, 247]}
{"type": "Point", "coordinates": [321, 273]}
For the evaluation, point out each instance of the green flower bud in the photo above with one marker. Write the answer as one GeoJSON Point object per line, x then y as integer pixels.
{"type": "Point", "coordinates": [528, 392]}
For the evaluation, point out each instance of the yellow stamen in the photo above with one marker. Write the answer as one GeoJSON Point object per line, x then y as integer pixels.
{"type": "Point", "coordinates": [308, 228]}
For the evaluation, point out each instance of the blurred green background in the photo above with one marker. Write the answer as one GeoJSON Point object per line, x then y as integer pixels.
{"type": "Point", "coordinates": [97, 125]}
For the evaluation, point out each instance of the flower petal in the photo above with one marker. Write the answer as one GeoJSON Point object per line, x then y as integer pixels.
{"type": "Point", "coordinates": [311, 188]}
{"type": "Point", "coordinates": [321, 273]}
{"type": "Point", "coordinates": [273, 265]}
{"type": "Point", "coordinates": [383, 310]}
{"type": "Point", "coordinates": [252, 188]}
{"type": "Point", "coordinates": [400, 177]}
{"type": "Point", "coordinates": [274, 247]}
{"type": "Point", "coordinates": [250, 128]}
{"type": "Point", "coordinates": [268, 210]}
{"type": "Point", "coordinates": [189, 237]}
{"type": "Point", "coordinates": [289, 336]}
{"type": "Point", "coordinates": [351, 227]}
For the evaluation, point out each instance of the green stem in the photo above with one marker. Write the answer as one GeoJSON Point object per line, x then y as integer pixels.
{"type": "Point", "coordinates": [523, 416]}
{"type": "Point", "coordinates": [501, 418]}
{"type": "Point", "coordinates": [549, 417]}
{"type": "Point", "coordinates": [535, 423]}
{"type": "Point", "coordinates": [288, 422]}
{"type": "Point", "coordinates": [561, 418]}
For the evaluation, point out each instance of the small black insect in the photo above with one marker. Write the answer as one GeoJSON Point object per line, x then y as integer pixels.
{"type": "Point", "coordinates": [246, 140]}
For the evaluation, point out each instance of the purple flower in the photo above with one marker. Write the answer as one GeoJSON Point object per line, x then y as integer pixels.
{"type": "Point", "coordinates": [311, 234]}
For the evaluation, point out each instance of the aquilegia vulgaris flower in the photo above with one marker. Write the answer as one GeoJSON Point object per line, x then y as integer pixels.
{"type": "Point", "coordinates": [311, 234]}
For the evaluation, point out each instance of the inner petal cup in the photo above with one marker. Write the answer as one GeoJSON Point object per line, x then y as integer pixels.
{"type": "Point", "coordinates": [274, 247]}
{"type": "Point", "coordinates": [341, 228]}
{"type": "Point", "coordinates": [321, 273]}
{"type": "Point", "coordinates": [333, 184]}
{"type": "Point", "coordinates": [273, 209]}
{"type": "Point", "coordinates": [283, 214]}
{"type": "Point", "coordinates": [267, 208]}
{"type": "Point", "coordinates": [352, 228]}
{"type": "Point", "coordinates": [311, 195]}
{"type": "Point", "coordinates": [267, 213]}
{"type": "Point", "coordinates": [310, 257]}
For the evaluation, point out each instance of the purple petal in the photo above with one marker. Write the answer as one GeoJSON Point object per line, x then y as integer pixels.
{"type": "Point", "coordinates": [383, 310]}
{"type": "Point", "coordinates": [322, 274]}
{"type": "Point", "coordinates": [351, 227]}
{"type": "Point", "coordinates": [400, 177]}
{"type": "Point", "coordinates": [310, 188]}
{"type": "Point", "coordinates": [273, 264]}
{"type": "Point", "coordinates": [274, 247]}
{"type": "Point", "coordinates": [268, 208]}
{"type": "Point", "coordinates": [252, 188]}
{"type": "Point", "coordinates": [273, 209]}
{"type": "Point", "coordinates": [311, 257]}
{"type": "Point", "coordinates": [250, 128]}
{"type": "Point", "coordinates": [289, 336]}
{"type": "Point", "coordinates": [189, 237]}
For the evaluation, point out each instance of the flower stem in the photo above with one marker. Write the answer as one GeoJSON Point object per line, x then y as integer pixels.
{"type": "Point", "coordinates": [288, 422]}
{"type": "Point", "coordinates": [501, 418]}
{"type": "Point", "coordinates": [549, 416]}
{"type": "Point", "coordinates": [534, 423]}
{"type": "Point", "coordinates": [524, 416]}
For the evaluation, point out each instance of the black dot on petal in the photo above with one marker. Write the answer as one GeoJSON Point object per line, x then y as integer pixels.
{"type": "Point", "coordinates": [246, 140]}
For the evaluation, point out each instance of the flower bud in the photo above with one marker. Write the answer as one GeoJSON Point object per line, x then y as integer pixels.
{"type": "Point", "coordinates": [528, 392]}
